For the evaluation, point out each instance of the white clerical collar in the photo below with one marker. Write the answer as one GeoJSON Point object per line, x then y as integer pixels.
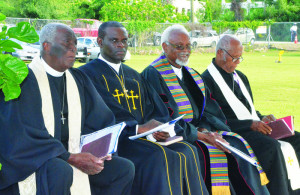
{"type": "Point", "coordinates": [50, 70]}
{"type": "Point", "coordinates": [178, 72]}
{"type": "Point", "coordinates": [116, 67]}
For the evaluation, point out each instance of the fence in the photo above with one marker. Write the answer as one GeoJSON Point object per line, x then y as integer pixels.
{"type": "Point", "coordinates": [277, 32]}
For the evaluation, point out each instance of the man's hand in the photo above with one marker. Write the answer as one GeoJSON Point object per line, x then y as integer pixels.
{"type": "Point", "coordinates": [210, 137]}
{"type": "Point", "coordinates": [159, 136]}
{"type": "Point", "coordinates": [148, 126]}
{"type": "Point", "coordinates": [88, 163]}
{"type": "Point", "coordinates": [269, 118]}
{"type": "Point", "coordinates": [261, 127]}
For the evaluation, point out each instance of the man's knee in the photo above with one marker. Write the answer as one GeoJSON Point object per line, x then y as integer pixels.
{"type": "Point", "coordinates": [59, 172]}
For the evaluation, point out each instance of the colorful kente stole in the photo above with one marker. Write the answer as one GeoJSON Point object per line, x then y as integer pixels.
{"type": "Point", "coordinates": [218, 160]}
{"type": "Point", "coordinates": [263, 177]}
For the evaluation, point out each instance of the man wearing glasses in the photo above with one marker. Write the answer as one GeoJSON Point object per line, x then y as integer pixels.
{"type": "Point", "coordinates": [231, 89]}
{"type": "Point", "coordinates": [183, 92]}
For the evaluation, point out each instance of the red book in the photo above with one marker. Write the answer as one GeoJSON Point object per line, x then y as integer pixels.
{"type": "Point", "coordinates": [282, 128]}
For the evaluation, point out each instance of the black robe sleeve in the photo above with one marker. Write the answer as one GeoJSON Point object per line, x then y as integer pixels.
{"type": "Point", "coordinates": [25, 143]}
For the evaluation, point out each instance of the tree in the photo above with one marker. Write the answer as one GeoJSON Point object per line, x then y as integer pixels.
{"type": "Point", "coordinates": [139, 10]}
{"type": "Point", "coordinates": [236, 8]}
{"type": "Point", "coordinates": [43, 9]}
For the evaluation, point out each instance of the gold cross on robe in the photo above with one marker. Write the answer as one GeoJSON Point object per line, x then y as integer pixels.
{"type": "Point", "coordinates": [132, 98]}
{"type": "Point", "coordinates": [117, 95]}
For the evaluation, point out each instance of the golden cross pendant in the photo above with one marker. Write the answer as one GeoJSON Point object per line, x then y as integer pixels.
{"type": "Point", "coordinates": [125, 91]}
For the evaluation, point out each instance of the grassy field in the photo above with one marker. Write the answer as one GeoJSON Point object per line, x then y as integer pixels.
{"type": "Point", "coordinates": [276, 86]}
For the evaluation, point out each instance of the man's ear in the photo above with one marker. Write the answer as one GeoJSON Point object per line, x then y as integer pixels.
{"type": "Point", "coordinates": [99, 41]}
{"type": "Point", "coordinates": [46, 46]}
{"type": "Point", "coordinates": [220, 52]}
{"type": "Point", "coordinates": [164, 46]}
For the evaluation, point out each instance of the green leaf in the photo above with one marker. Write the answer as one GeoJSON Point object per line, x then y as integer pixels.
{"type": "Point", "coordinates": [0, 166]}
{"type": "Point", "coordinates": [23, 32]}
{"type": "Point", "coordinates": [12, 73]}
{"type": "Point", "coordinates": [9, 45]}
{"type": "Point", "coordinates": [2, 17]}
{"type": "Point", "coordinates": [3, 32]}
{"type": "Point", "coordinates": [13, 68]}
{"type": "Point", "coordinates": [11, 90]}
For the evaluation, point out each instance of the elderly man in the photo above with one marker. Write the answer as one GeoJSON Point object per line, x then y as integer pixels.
{"type": "Point", "coordinates": [56, 105]}
{"type": "Point", "coordinates": [183, 91]}
{"type": "Point", "coordinates": [231, 89]}
{"type": "Point", "coordinates": [159, 170]}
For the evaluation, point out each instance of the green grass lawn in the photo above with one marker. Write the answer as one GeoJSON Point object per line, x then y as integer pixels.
{"type": "Point", "coordinates": [276, 86]}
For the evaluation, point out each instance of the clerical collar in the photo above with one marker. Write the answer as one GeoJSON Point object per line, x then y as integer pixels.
{"type": "Point", "coordinates": [116, 67]}
{"type": "Point", "coordinates": [50, 70]}
{"type": "Point", "coordinates": [178, 72]}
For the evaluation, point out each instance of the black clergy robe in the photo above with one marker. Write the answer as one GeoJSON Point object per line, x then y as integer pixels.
{"type": "Point", "coordinates": [266, 149]}
{"type": "Point", "coordinates": [212, 118]}
{"type": "Point", "coordinates": [159, 170]}
{"type": "Point", "coordinates": [27, 147]}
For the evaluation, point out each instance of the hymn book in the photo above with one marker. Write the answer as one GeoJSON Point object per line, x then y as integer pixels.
{"type": "Point", "coordinates": [170, 140]}
{"type": "Point", "coordinates": [282, 128]}
{"type": "Point", "coordinates": [102, 142]}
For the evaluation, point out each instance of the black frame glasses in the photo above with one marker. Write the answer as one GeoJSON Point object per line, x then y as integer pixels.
{"type": "Point", "coordinates": [180, 47]}
{"type": "Point", "coordinates": [234, 59]}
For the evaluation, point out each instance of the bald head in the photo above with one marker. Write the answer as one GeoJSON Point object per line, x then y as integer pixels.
{"type": "Point", "coordinates": [49, 32]}
{"type": "Point", "coordinates": [58, 46]}
{"type": "Point", "coordinates": [229, 50]}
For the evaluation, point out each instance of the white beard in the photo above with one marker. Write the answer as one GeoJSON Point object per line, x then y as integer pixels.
{"type": "Point", "coordinates": [181, 63]}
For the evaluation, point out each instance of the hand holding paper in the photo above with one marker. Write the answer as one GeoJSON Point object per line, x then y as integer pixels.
{"type": "Point", "coordinates": [158, 128]}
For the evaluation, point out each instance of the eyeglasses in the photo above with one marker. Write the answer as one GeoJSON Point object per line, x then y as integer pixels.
{"type": "Point", "coordinates": [180, 47]}
{"type": "Point", "coordinates": [234, 59]}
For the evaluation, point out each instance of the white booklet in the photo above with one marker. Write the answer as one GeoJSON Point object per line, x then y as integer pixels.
{"type": "Point", "coordinates": [158, 128]}
{"type": "Point", "coordinates": [240, 153]}
{"type": "Point", "coordinates": [102, 142]}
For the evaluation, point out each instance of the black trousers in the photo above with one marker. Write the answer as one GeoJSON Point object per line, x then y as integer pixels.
{"type": "Point", "coordinates": [268, 152]}
{"type": "Point", "coordinates": [116, 178]}
{"type": "Point", "coordinates": [55, 177]}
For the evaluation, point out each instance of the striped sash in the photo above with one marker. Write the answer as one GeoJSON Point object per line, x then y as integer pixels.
{"type": "Point", "coordinates": [218, 160]}
{"type": "Point", "coordinates": [163, 66]}
{"type": "Point", "coordinates": [263, 177]}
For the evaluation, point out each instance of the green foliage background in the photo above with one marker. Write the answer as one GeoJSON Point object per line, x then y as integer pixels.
{"type": "Point", "coordinates": [144, 10]}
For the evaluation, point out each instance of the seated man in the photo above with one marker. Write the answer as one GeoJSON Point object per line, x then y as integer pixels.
{"type": "Point", "coordinates": [56, 105]}
{"type": "Point", "coordinates": [159, 170]}
{"type": "Point", "coordinates": [231, 89]}
{"type": "Point", "coordinates": [183, 91]}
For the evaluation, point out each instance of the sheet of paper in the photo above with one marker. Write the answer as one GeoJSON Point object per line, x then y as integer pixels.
{"type": "Point", "coordinates": [240, 153]}
{"type": "Point", "coordinates": [158, 128]}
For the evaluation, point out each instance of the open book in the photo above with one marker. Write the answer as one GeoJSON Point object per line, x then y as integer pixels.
{"type": "Point", "coordinates": [282, 128]}
{"type": "Point", "coordinates": [239, 153]}
{"type": "Point", "coordinates": [102, 142]}
{"type": "Point", "coordinates": [162, 127]}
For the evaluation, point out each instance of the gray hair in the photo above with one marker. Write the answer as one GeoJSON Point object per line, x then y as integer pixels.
{"type": "Point", "coordinates": [166, 34]}
{"type": "Point", "coordinates": [224, 42]}
{"type": "Point", "coordinates": [49, 31]}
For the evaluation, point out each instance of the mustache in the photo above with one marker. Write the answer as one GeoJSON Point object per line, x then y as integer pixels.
{"type": "Point", "coordinates": [183, 54]}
